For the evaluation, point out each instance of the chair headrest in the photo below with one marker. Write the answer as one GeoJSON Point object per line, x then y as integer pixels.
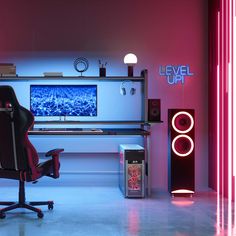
{"type": "Point", "coordinates": [8, 97]}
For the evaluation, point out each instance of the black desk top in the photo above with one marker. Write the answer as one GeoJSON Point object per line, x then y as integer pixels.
{"type": "Point", "coordinates": [87, 131]}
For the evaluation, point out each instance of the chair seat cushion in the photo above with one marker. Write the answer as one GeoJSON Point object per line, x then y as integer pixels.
{"type": "Point", "coordinates": [47, 168]}
{"type": "Point", "coordinates": [44, 168]}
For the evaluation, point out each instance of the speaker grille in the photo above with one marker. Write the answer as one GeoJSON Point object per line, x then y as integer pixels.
{"type": "Point", "coordinates": [182, 145]}
{"type": "Point", "coordinates": [182, 122]}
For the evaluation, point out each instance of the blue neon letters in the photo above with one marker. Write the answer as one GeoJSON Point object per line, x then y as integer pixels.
{"type": "Point", "coordinates": [175, 74]}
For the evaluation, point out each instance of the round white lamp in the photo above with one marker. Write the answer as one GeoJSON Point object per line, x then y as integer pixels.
{"type": "Point", "coordinates": [130, 59]}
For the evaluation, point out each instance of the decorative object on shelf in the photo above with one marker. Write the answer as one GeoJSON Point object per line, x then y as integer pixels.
{"type": "Point", "coordinates": [81, 64]}
{"type": "Point", "coordinates": [53, 74]}
{"type": "Point", "coordinates": [130, 59]}
{"type": "Point", "coordinates": [102, 68]}
{"type": "Point", "coordinates": [125, 85]}
{"type": "Point", "coordinates": [7, 69]}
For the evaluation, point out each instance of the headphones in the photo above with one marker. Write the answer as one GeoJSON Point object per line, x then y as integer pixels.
{"type": "Point", "coordinates": [125, 85]}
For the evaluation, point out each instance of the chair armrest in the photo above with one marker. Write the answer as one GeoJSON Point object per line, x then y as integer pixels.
{"type": "Point", "coordinates": [55, 159]}
{"type": "Point", "coordinates": [54, 152]}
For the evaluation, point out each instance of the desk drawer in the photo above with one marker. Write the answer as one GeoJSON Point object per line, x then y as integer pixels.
{"type": "Point", "coordinates": [83, 144]}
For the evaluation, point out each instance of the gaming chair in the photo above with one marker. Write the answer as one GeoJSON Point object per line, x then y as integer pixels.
{"type": "Point", "coordinates": [18, 157]}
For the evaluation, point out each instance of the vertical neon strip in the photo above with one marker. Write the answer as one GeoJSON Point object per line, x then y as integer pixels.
{"type": "Point", "coordinates": [229, 78]}
{"type": "Point", "coordinates": [233, 82]}
{"type": "Point", "coordinates": [234, 85]}
{"type": "Point", "coordinates": [221, 122]}
{"type": "Point", "coordinates": [234, 100]}
{"type": "Point", "coordinates": [218, 125]}
{"type": "Point", "coordinates": [218, 153]}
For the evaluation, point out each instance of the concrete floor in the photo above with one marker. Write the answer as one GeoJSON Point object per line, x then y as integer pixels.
{"type": "Point", "coordinates": [102, 211]}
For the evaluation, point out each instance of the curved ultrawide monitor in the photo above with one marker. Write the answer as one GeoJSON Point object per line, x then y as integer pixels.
{"type": "Point", "coordinates": [63, 100]}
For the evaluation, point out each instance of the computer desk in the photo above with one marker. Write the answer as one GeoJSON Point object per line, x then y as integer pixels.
{"type": "Point", "coordinates": [109, 87]}
{"type": "Point", "coordinates": [50, 133]}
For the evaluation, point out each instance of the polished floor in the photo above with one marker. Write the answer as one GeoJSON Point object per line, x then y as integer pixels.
{"type": "Point", "coordinates": [102, 211]}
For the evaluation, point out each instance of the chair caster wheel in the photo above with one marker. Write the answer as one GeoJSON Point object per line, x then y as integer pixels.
{"type": "Point", "coordinates": [50, 206]}
{"type": "Point", "coordinates": [2, 215]}
{"type": "Point", "coordinates": [40, 215]}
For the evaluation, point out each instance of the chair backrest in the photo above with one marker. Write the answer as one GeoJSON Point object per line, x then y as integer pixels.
{"type": "Point", "coordinates": [16, 151]}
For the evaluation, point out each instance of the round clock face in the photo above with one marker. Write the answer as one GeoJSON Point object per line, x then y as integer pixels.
{"type": "Point", "coordinates": [81, 64]}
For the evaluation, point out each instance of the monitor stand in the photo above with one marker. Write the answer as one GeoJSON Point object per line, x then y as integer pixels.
{"type": "Point", "coordinates": [62, 118]}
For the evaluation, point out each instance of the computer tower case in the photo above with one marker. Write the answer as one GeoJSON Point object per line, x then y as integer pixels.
{"type": "Point", "coordinates": [132, 170]}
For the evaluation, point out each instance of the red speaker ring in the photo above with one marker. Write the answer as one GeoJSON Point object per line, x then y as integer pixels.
{"type": "Point", "coordinates": [182, 113]}
{"type": "Point", "coordinates": [182, 154]}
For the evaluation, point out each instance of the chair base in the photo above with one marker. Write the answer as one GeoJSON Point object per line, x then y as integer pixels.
{"type": "Point", "coordinates": [23, 204]}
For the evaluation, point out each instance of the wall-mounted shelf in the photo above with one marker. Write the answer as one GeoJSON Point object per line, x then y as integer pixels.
{"type": "Point", "coordinates": [89, 122]}
{"type": "Point", "coordinates": [58, 78]}
{"type": "Point", "coordinates": [142, 79]}
{"type": "Point", "coordinates": [155, 122]}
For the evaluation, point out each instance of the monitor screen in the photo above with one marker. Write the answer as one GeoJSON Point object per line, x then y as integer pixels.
{"type": "Point", "coordinates": [63, 100]}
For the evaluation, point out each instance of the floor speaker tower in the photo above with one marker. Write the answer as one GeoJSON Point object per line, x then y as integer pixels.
{"type": "Point", "coordinates": [181, 145]}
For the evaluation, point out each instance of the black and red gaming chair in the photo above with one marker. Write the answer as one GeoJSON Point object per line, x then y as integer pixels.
{"type": "Point", "coordinates": [18, 157]}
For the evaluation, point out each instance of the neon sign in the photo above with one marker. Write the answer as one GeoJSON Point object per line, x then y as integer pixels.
{"type": "Point", "coordinates": [175, 74]}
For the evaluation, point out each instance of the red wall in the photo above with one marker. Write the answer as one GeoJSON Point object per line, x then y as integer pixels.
{"type": "Point", "coordinates": [159, 32]}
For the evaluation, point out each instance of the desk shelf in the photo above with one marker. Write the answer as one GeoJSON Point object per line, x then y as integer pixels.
{"type": "Point", "coordinates": [77, 78]}
{"type": "Point", "coordinates": [84, 143]}
{"type": "Point", "coordinates": [104, 132]}
{"type": "Point", "coordinates": [74, 122]}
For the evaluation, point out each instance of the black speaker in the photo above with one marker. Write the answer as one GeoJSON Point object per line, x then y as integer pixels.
{"type": "Point", "coordinates": [154, 110]}
{"type": "Point", "coordinates": [181, 147]}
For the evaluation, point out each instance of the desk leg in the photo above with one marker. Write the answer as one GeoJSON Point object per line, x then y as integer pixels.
{"type": "Point", "coordinates": [148, 164]}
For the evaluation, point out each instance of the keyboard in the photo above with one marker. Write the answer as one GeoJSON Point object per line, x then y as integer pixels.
{"type": "Point", "coordinates": [75, 130]}
{"type": "Point", "coordinates": [58, 129]}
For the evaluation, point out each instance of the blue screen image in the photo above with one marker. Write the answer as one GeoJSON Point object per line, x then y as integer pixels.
{"type": "Point", "coordinates": [63, 100]}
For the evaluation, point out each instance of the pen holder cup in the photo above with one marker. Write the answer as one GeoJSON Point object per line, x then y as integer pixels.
{"type": "Point", "coordinates": [102, 71]}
